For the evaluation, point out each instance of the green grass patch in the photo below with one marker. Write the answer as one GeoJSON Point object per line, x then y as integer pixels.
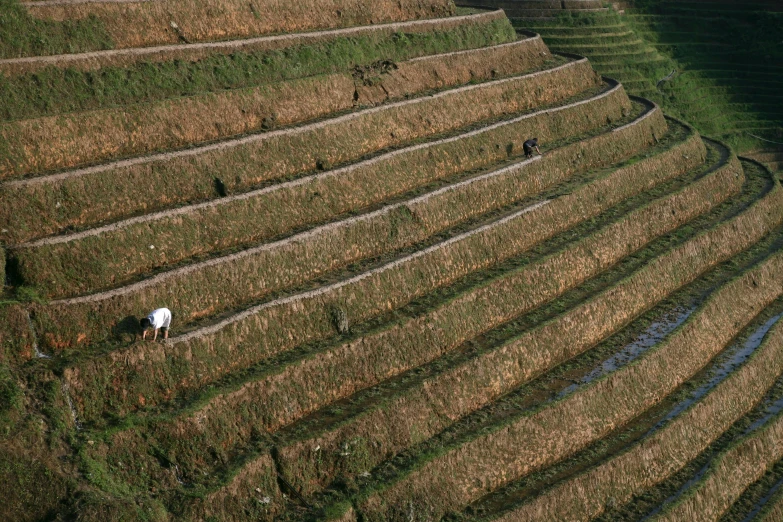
{"type": "Point", "coordinates": [23, 35]}
{"type": "Point", "coordinates": [56, 91]}
{"type": "Point", "coordinates": [743, 41]}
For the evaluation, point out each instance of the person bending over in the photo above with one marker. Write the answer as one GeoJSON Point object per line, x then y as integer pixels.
{"type": "Point", "coordinates": [160, 318]}
{"type": "Point", "coordinates": [529, 146]}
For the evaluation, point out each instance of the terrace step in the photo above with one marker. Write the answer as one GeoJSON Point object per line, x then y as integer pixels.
{"type": "Point", "coordinates": [375, 297]}
{"type": "Point", "coordinates": [684, 153]}
{"type": "Point", "coordinates": [196, 415]}
{"type": "Point", "coordinates": [776, 166]}
{"type": "Point", "coordinates": [773, 159]}
{"type": "Point", "coordinates": [511, 6]}
{"type": "Point", "coordinates": [169, 21]}
{"type": "Point", "coordinates": [333, 443]}
{"type": "Point", "coordinates": [369, 420]}
{"type": "Point", "coordinates": [66, 141]}
{"type": "Point", "coordinates": [99, 59]}
{"type": "Point", "coordinates": [222, 224]}
{"type": "Point", "coordinates": [72, 91]}
{"type": "Point", "coordinates": [547, 14]}
{"type": "Point", "coordinates": [51, 203]}
{"type": "Point", "coordinates": [597, 37]}
{"type": "Point", "coordinates": [772, 509]}
{"type": "Point", "coordinates": [317, 251]}
{"type": "Point", "coordinates": [649, 55]}
{"type": "Point", "coordinates": [581, 41]}
{"type": "Point", "coordinates": [630, 391]}
{"type": "Point", "coordinates": [726, 86]}
{"type": "Point", "coordinates": [81, 376]}
{"type": "Point", "coordinates": [637, 456]}
{"type": "Point", "coordinates": [718, 398]}
{"type": "Point", "coordinates": [561, 30]}
{"type": "Point", "coordinates": [730, 474]}
{"type": "Point", "coordinates": [603, 48]}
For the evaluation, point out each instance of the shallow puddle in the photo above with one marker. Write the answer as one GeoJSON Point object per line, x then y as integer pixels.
{"type": "Point", "coordinates": [736, 356]}
{"type": "Point", "coordinates": [772, 410]}
{"type": "Point", "coordinates": [758, 506]}
{"type": "Point", "coordinates": [646, 340]}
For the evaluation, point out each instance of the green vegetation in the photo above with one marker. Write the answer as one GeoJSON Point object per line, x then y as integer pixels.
{"type": "Point", "coordinates": [717, 68]}
{"type": "Point", "coordinates": [23, 35]}
{"type": "Point", "coordinates": [56, 91]}
{"type": "Point", "coordinates": [10, 394]}
{"type": "Point", "coordinates": [284, 369]}
{"type": "Point", "coordinates": [616, 451]}
{"type": "Point", "coordinates": [613, 47]}
{"type": "Point", "coordinates": [116, 258]}
{"type": "Point", "coordinates": [2, 271]}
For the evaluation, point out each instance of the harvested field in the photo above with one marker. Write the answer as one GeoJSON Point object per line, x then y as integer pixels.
{"type": "Point", "coordinates": [356, 365]}
{"type": "Point", "coordinates": [558, 165]}
{"type": "Point", "coordinates": [384, 344]}
{"type": "Point", "coordinates": [532, 343]}
{"type": "Point", "coordinates": [121, 58]}
{"type": "Point", "coordinates": [74, 198]}
{"type": "Point", "coordinates": [629, 391]}
{"type": "Point", "coordinates": [382, 306]}
{"type": "Point", "coordinates": [71, 140]}
{"type": "Point", "coordinates": [657, 456]}
{"type": "Point", "coordinates": [207, 432]}
{"type": "Point", "coordinates": [49, 90]}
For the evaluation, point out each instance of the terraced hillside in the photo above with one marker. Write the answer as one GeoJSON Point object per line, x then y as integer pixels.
{"type": "Point", "coordinates": [541, 9]}
{"type": "Point", "coordinates": [613, 45]}
{"type": "Point", "coordinates": [729, 79]}
{"type": "Point", "coordinates": [713, 63]}
{"type": "Point", "coordinates": [382, 309]}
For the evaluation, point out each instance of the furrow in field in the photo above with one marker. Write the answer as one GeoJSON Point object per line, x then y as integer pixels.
{"type": "Point", "coordinates": [550, 387]}
{"type": "Point", "coordinates": [90, 61]}
{"type": "Point", "coordinates": [369, 361]}
{"type": "Point", "coordinates": [727, 390]}
{"type": "Point", "coordinates": [142, 24]}
{"type": "Point", "coordinates": [284, 323]}
{"type": "Point", "coordinates": [329, 458]}
{"type": "Point", "coordinates": [468, 471]}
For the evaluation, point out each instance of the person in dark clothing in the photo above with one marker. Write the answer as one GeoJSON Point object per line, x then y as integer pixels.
{"type": "Point", "coordinates": [529, 146]}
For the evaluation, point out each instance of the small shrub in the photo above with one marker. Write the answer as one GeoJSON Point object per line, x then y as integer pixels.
{"type": "Point", "coordinates": [340, 320]}
{"type": "Point", "coordinates": [29, 294]}
{"type": "Point", "coordinates": [10, 394]}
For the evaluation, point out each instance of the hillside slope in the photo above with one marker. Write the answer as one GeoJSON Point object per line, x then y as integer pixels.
{"type": "Point", "coordinates": [383, 309]}
{"type": "Point", "coordinates": [712, 63]}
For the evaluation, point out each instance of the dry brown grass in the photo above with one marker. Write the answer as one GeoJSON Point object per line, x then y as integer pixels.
{"type": "Point", "coordinates": [39, 206]}
{"type": "Point", "coordinates": [463, 474]}
{"type": "Point", "coordinates": [438, 401]}
{"type": "Point", "coordinates": [311, 383]}
{"type": "Point", "coordinates": [92, 61]}
{"type": "Point", "coordinates": [150, 23]}
{"type": "Point", "coordinates": [69, 140]}
{"type": "Point", "coordinates": [735, 469]}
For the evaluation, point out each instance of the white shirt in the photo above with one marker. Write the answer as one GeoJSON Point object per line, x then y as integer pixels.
{"type": "Point", "coordinates": [160, 318]}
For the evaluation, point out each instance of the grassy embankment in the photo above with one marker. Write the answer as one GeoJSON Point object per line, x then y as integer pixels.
{"type": "Point", "coordinates": [726, 81]}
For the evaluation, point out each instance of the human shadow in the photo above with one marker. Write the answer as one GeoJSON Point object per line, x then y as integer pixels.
{"type": "Point", "coordinates": [127, 331]}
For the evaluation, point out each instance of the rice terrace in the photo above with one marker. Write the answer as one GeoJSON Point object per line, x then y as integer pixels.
{"type": "Point", "coordinates": [391, 260]}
